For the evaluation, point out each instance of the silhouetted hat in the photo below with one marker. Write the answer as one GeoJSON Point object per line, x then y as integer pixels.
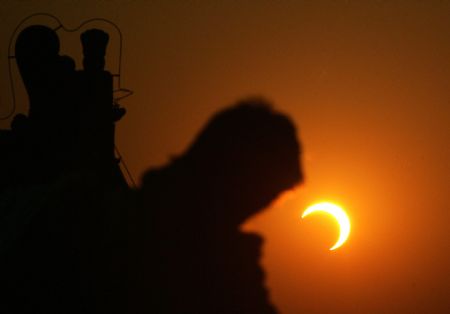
{"type": "Point", "coordinates": [94, 42]}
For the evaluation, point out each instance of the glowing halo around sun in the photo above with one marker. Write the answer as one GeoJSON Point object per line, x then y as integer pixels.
{"type": "Point", "coordinates": [338, 213]}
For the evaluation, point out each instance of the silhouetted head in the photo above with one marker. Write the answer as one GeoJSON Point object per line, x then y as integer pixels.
{"type": "Point", "coordinates": [37, 42]}
{"type": "Point", "coordinates": [36, 51]}
{"type": "Point", "coordinates": [246, 156]}
{"type": "Point", "coordinates": [94, 43]}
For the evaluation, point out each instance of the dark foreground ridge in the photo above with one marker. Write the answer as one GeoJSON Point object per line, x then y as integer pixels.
{"type": "Point", "coordinates": [74, 238]}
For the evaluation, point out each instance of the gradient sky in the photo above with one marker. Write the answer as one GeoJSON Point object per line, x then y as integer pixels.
{"type": "Point", "coordinates": [366, 82]}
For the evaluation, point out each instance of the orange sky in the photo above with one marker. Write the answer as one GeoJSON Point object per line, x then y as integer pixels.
{"type": "Point", "coordinates": [366, 82]}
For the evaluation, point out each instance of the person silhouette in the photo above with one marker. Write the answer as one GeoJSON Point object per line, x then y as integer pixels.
{"type": "Point", "coordinates": [60, 219]}
{"type": "Point", "coordinates": [70, 123]}
{"type": "Point", "coordinates": [188, 253]}
{"type": "Point", "coordinates": [53, 117]}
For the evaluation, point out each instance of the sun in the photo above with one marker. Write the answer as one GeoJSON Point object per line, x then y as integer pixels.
{"type": "Point", "coordinates": [338, 213]}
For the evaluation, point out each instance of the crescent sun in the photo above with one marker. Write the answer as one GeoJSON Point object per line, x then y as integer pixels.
{"type": "Point", "coordinates": [338, 213]}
